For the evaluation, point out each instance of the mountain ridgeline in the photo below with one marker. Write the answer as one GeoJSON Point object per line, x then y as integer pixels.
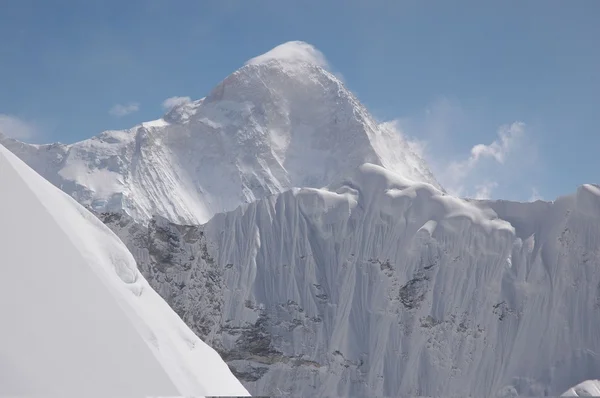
{"type": "Point", "coordinates": [270, 126]}
{"type": "Point", "coordinates": [317, 254]}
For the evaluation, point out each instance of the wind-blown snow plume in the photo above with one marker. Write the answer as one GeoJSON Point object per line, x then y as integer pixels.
{"type": "Point", "coordinates": [17, 128]}
{"type": "Point", "coordinates": [174, 102]}
{"type": "Point", "coordinates": [293, 52]}
{"type": "Point", "coordinates": [120, 110]}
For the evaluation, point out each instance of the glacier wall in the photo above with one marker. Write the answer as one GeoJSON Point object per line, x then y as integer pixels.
{"type": "Point", "coordinates": [382, 286]}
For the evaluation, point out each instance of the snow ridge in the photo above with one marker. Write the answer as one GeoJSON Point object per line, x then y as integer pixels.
{"type": "Point", "coordinates": [280, 121]}
{"type": "Point", "coordinates": [329, 260]}
{"type": "Point", "coordinates": [77, 316]}
{"type": "Point", "coordinates": [381, 286]}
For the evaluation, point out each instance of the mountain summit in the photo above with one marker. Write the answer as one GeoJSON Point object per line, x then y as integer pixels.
{"type": "Point", "coordinates": [281, 121]}
{"type": "Point", "coordinates": [365, 278]}
{"type": "Point", "coordinates": [292, 52]}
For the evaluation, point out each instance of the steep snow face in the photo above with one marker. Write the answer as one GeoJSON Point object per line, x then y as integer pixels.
{"type": "Point", "coordinates": [280, 121]}
{"type": "Point", "coordinates": [588, 388]}
{"type": "Point", "coordinates": [353, 290]}
{"type": "Point", "coordinates": [379, 286]}
{"type": "Point", "coordinates": [77, 316]}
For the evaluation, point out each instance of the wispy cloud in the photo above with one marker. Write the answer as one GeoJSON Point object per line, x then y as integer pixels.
{"type": "Point", "coordinates": [535, 195]}
{"type": "Point", "coordinates": [12, 126]}
{"type": "Point", "coordinates": [508, 137]}
{"type": "Point", "coordinates": [482, 171]}
{"type": "Point", "coordinates": [457, 173]}
{"type": "Point", "coordinates": [173, 102]}
{"type": "Point", "coordinates": [120, 110]}
{"type": "Point", "coordinates": [484, 191]}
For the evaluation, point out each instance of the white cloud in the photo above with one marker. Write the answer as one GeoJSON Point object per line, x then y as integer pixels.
{"type": "Point", "coordinates": [120, 110]}
{"type": "Point", "coordinates": [416, 145]}
{"type": "Point", "coordinates": [509, 138]}
{"type": "Point", "coordinates": [173, 102]}
{"type": "Point", "coordinates": [484, 191]}
{"type": "Point", "coordinates": [12, 126]}
{"type": "Point", "coordinates": [439, 123]}
{"type": "Point", "coordinates": [503, 167]}
{"type": "Point", "coordinates": [535, 195]}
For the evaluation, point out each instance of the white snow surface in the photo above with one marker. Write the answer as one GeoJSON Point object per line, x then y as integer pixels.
{"type": "Point", "coordinates": [381, 286]}
{"type": "Point", "coordinates": [588, 388]}
{"type": "Point", "coordinates": [77, 317]}
{"type": "Point", "coordinates": [368, 280]}
{"type": "Point", "coordinates": [292, 53]}
{"type": "Point", "coordinates": [281, 121]}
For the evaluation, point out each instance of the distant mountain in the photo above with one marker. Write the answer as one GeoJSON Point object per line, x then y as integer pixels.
{"type": "Point", "coordinates": [326, 260]}
{"type": "Point", "coordinates": [78, 318]}
{"type": "Point", "coordinates": [281, 121]}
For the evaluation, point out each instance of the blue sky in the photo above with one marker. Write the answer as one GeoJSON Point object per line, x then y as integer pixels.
{"type": "Point", "coordinates": [517, 80]}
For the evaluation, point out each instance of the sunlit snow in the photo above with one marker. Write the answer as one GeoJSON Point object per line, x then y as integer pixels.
{"type": "Point", "coordinates": [78, 319]}
{"type": "Point", "coordinates": [264, 129]}
{"type": "Point", "coordinates": [588, 388]}
{"type": "Point", "coordinates": [329, 261]}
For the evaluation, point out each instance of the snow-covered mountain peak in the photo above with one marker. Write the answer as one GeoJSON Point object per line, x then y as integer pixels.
{"type": "Point", "coordinates": [265, 128]}
{"type": "Point", "coordinates": [292, 53]}
{"type": "Point", "coordinates": [290, 65]}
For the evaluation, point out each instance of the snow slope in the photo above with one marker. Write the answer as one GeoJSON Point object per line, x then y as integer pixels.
{"type": "Point", "coordinates": [77, 316]}
{"type": "Point", "coordinates": [280, 121]}
{"type": "Point", "coordinates": [380, 286]}
{"type": "Point", "coordinates": [588, 388]}
{"type": "Point", "coordinates": [368, 280]}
